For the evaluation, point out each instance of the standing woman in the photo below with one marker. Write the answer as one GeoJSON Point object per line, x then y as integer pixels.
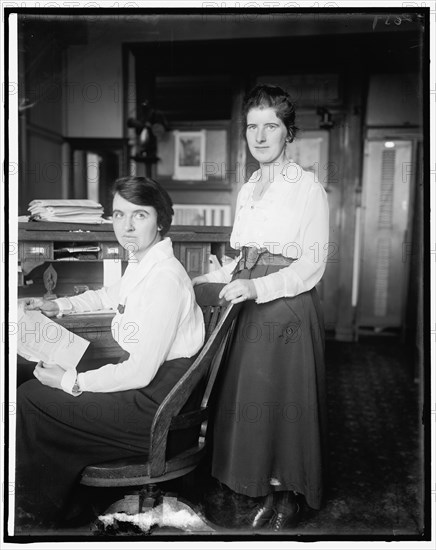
{"type": "Point", "coordinates": [68, 420]}
{"type": "Point", "coordinates": [269, 428]}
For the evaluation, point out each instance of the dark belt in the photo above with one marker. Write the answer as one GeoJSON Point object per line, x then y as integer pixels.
{"type": "Point", "coordinates": [252, 256]}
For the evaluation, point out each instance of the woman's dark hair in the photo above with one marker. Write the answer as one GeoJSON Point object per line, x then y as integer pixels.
{"type": "Point", "coordinates": [147, 192]}
{"type": "Point", "coordinates": [268, 96]}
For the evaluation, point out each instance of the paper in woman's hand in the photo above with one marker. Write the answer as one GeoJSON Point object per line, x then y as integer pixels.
{"type": "Point", "coordinates": [41, 339]}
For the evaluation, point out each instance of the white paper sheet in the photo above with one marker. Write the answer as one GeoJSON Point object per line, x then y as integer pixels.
{"type": "Point", "coordinates": [42, 339]}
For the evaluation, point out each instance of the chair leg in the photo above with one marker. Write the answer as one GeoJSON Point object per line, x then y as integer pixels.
{"type": "Point", "coordinates": [149, 496]}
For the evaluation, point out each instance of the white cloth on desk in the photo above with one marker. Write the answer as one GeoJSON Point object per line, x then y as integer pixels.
{"type": "Point", "coordinates": [161, 320]}
{"type": "Point", "coordinates": [291, 219]}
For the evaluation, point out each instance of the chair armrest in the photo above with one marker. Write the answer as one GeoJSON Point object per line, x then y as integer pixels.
{"type": "Point", "coordinates": [189, 419]}
{"type": "Point", "coordinates": [179, 394]}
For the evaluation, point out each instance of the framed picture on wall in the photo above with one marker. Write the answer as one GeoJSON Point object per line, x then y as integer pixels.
{"type": "Point", "coordinates": [190, 153]}
{"type": "Point", "coordinates": [210, 140]}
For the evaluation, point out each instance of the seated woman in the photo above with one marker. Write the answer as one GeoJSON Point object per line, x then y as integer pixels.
{"type": "Point", "coordinates": [65, 420]}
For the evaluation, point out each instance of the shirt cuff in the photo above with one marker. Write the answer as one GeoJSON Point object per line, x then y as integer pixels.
{"type": "Point", "coordinates": [223, 274]}
{"type": "Point", "coordinates": [81, 381]}
{"type": "Point", "coordinates": [68, 380]}
{"type": "Point", "coordinates": [64, 305]}
{"type": "Point", "coordinates": [261, 290]}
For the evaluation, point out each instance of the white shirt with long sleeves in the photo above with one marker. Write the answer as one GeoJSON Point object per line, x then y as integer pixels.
{"type": "Point", "coordinates": [161, 321]}
{"type": "Point", "coordinates": [291, 219]}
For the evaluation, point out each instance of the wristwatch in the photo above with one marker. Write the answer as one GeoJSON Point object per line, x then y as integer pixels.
{"type": "Point", "coordinates": [76, 387]}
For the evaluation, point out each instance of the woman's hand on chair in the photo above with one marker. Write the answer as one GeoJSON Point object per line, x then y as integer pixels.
{"type": "Point", "coordinates": [49, 375]}
{"type": "Point", "coordinates": [239, 290]}
{"type": "Point", "coordinates": [47, 307]}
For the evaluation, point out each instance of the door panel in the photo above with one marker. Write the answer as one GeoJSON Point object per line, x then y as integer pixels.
{"type": "Point", "coordinates": [385, 208]}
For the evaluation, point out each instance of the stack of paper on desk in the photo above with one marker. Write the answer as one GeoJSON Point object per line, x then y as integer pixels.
{"type": "Point", "coordinates": [66, 210]}
{"type": "Point", "coordinates": [41, 339]}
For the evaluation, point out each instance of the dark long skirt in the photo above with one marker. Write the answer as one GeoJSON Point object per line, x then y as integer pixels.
{"type": "Point", "coordinates": [269, 427]}
{"type": "Point", "coordinates": [58, 435]}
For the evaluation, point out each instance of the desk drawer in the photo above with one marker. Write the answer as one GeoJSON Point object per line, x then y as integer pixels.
{"type": "Point", "coordinates": [35, 250]}
{"type": "Point", "coordinates": [112, 251]}
{"type": "Point", "coordinates": [193, 256]}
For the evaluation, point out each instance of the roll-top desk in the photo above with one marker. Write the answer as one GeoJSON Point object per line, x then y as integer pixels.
{"type": "Point", "coordinates": [77, 252]}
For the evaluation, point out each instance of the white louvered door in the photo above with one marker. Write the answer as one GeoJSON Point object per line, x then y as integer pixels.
{"type": "Point", "coordinates": [384, 262]}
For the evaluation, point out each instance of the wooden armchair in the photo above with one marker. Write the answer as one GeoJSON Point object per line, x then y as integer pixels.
{"type": "Point", "coordinates": [166, 461]}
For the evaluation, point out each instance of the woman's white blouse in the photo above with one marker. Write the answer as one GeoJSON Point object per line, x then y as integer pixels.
{"type": "Point", "coordinates": [161, 321]}
{"type": "Point", "coordinates": [291, 219]}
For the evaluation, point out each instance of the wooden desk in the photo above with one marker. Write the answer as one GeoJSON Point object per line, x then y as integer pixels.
{"type": "Point", "coordinates": [38, 242]}
{"type": "Point", "coordinates": [96, 328]}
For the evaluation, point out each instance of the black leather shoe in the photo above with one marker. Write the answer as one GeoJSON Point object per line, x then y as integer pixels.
{"type": "Point", "coordinates": [261, 516]}
{"type": "Point", "coordinates": [287, 519]}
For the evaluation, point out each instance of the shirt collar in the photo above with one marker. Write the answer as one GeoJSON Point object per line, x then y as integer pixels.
{"type": "Point", "coordinates": [160, 251]}
{"type": "Point", "coordinates": [277, 171]}
{"type": "Point", "coordinates": [137, 271]}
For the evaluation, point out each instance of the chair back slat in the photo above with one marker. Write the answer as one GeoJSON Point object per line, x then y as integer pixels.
{"type": "Point", "coordinates": [207, 316]}
{"type": "Point", "coordinates": [188, 419]}
{"type": "Point", "coordinates": [214, 318]}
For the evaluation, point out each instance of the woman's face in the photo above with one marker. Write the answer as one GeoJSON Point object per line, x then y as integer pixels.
{"type": "Point", "coordinates": [135, 226]}
{"type": "Point", "coordinates": [266, 135]}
